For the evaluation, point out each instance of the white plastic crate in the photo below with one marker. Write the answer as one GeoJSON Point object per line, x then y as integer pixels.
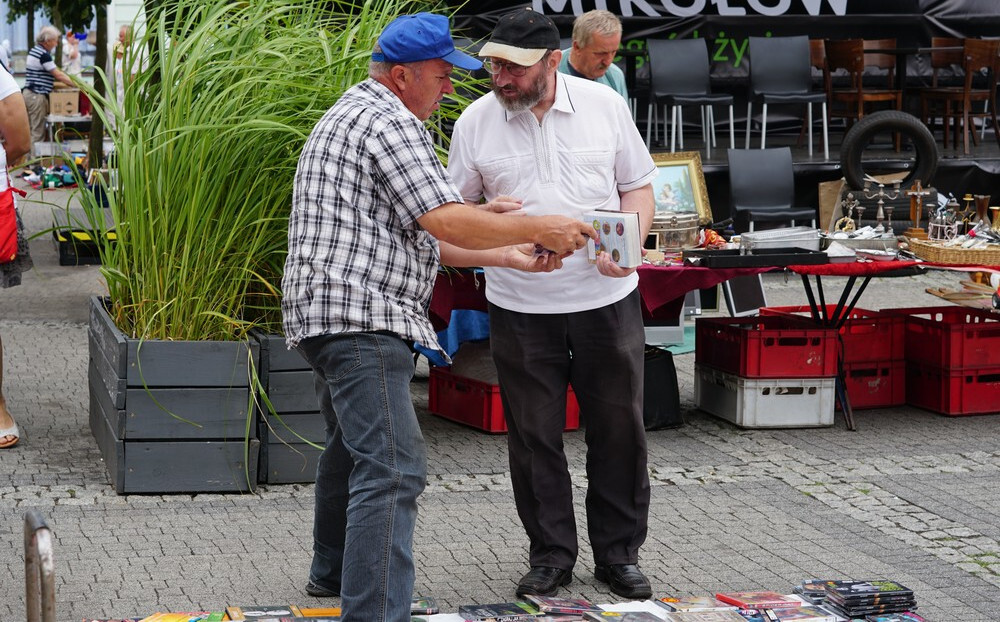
{"type": "Point", "coordinates": [765, 402]}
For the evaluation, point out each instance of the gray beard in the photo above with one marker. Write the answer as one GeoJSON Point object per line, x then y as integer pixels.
{"type": "Point", "coordinates": [524, 101]}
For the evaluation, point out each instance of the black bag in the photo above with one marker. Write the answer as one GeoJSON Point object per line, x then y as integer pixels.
{"type": "Point", "coordinates": [661, 406]}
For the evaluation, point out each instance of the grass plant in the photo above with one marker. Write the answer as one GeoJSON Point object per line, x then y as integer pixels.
{"type": "Point", "coordinates": [206, 142]}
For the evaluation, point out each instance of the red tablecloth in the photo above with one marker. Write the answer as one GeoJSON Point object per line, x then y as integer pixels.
{"type": "Point", "coordinates": [856, 268]}
{"type": "Point", "coordinates": [662, 287]}
{"type": "Point", "coordinates": [456, 289]}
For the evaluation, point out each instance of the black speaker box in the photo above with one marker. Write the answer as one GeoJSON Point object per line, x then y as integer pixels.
{"type": "Point", "coordinates": [661, 407]}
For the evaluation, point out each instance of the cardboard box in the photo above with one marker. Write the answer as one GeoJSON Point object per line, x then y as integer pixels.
{"type": "Point", "coordinates": [64, 102]}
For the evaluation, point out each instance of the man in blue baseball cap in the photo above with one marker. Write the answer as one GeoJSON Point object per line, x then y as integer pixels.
{"type": "Point", "coordinates": [424, 36]}
{"type": "Point", "coordinates": [370, 204]}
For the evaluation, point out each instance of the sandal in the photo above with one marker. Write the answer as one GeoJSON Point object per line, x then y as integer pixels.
{"type": "Point", "coordinates": [11, 431]}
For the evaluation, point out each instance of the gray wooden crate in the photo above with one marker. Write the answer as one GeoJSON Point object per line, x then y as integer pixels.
{"type": "Point", "coordinates": [158, 363]}
{"type": "Point", "coordinates": [204, 413]}
{"type": "Point", "coordinates": [182, 466]}
{"type": "Point", "coordinates": [172, 416]}
{"type": "Point", "coordinates": [290, 385]}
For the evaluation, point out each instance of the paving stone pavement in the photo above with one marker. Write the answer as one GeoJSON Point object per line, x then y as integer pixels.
{"type": "Point", "coordinates": [911, 495]}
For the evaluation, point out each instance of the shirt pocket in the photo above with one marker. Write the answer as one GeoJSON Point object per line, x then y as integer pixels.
{"type": "Point", "coordinates": [502, 176]}
{"type": "Point", "coordinates": [592, 177]}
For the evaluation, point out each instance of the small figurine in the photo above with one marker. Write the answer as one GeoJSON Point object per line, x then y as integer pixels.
{"type": "Point", "coordinates": [916, 194]}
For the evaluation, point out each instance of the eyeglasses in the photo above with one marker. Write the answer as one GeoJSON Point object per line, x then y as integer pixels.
{"type": "Point", "coordinates": [494, 66]}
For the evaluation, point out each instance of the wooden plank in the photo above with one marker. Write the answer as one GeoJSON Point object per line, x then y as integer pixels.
{"type": "Point", "coordinates": [264, 367]}
{"type": "Point", "coordinates": [190, 466]}
{"type": "Point", "coordinates": [292, 391]}
{"type": "Point", "coordinates": [107, 337]}
{"type": "Point", "coordinates": [156, 363]}
{"type": "Point", "coordinates": [112, 383]}
{"type": "Point", "coordinates": [285, 426]}
{"type": "Point", "coordinates": [281, 358]}
{"type": "Point", "coordinates": [114, 416]}
{"type": "Point", "coordinates": [295, 464]}
{"type": "Point", "coordinates": [214, 413]}
{"type": "Point", "coordinates": [112, 450]}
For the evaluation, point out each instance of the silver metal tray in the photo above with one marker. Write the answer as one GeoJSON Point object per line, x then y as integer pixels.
{"type": "Point", "coordinates": [872, 245]}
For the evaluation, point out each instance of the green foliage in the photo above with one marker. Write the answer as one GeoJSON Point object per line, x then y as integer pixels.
{"type": "Point", "coordinates": [17, 8]}
{"type": "Point", "coordinates": [74, 15]}
{"type": "Point", "coordinates": [206, 143]}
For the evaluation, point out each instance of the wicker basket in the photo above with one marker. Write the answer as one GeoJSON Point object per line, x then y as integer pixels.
{"type": "Point", "coordinates": [954, 255]}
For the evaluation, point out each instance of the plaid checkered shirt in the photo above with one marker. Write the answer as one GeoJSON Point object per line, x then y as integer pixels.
{"type": "Point", "coordinates": [357, 258]}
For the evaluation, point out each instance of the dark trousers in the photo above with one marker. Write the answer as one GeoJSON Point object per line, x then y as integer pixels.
{"type": "Point", "coordinates": [601, 353]}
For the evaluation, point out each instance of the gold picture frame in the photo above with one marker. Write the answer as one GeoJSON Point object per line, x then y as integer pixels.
{"type": "Point", "coordinates": [680, 185]}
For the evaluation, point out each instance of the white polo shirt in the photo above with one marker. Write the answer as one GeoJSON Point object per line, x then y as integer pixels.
{"type": "Point", "coordinates": [584, 153]}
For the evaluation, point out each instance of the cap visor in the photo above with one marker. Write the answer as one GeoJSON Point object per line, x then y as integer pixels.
{"type": "Point", "coordinates": [462, 61]}
{"type": "Point", "coordinates": [519, 56]}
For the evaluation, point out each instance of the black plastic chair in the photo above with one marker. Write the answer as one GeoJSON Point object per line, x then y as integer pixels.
{"type": "Point", "coordinates": [781, 73]}
{"type": "Point", "coordinates": [679, 76]}
{"type": "Point", "coordinates": [762, 187]}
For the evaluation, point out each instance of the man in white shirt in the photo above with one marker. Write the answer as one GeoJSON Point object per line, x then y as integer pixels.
{"type": "Point", "coordinates": [564, 145]}
{"type": "Point", "coordinates": [41, 73]}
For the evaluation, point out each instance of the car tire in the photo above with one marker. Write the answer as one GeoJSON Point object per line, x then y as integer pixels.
{"type": "Point", "coordinates": [861, 133]}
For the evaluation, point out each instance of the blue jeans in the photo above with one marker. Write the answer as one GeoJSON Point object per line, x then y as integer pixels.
{"type": "Point", "coordinates": [369, 476]}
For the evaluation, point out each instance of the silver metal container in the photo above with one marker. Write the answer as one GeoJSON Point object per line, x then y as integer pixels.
{"type": "Point", "coordinates": [675, 231]}
{"type": "Point", "coordinates": [801, 237]}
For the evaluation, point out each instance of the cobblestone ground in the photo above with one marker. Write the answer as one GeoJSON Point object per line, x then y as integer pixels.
{"type": "Point", "coordinates": [910, 495]}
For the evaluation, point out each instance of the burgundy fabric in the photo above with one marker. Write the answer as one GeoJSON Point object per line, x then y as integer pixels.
{"type": "Point", "coordinates": [456, 290]}
{"type": "Point", "coordinates": [856, 268]}
{"type": "Point", "coordinates": [663, 287]}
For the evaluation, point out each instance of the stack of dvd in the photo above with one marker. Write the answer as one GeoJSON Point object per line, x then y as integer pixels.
{"type": "Point", "coordinates": [856, 599]}
{"type": "Point", "coordinates": [813, 590]}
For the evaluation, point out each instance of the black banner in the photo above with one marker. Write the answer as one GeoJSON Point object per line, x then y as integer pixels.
{"type": "Point", "coordinates": [726, 24]}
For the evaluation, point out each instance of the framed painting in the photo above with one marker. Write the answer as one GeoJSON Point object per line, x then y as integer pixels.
{"type": "Point", "coordinates": [680, 185]}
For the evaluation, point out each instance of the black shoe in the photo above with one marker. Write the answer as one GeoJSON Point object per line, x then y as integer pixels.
{"type": "Point", "coordinates": [320, 592]}
{"type": "Point", "coordinates": [543, 581]}
{"type": "Point", "coordinates": [626, 580]}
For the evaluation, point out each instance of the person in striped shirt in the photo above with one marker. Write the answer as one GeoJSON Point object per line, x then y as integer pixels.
{"type": "Point", "coordinates": [40, 75]}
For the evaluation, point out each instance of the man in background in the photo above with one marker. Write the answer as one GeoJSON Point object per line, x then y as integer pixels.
{"type": "Point", "coordinates": [564, 145]}
{"type": "Point", "coordinates": [40, 76]}
{"type": "Point", "coordinates": [596, 37]}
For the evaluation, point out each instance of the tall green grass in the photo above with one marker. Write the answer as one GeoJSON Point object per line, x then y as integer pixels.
{"type": "Point", "coordinates": [206, 144]}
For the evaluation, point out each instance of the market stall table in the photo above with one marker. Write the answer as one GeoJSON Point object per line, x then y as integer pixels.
{"type": "Point", "coordinates": [62, 119]}
{"type": "Point", "coordinates": [662, 289]}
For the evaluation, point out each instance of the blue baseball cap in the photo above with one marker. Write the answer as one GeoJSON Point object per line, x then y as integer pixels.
{"type": "Point", "coordinates": [422, 36]}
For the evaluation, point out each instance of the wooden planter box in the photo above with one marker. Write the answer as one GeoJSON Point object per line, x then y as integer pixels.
{"type": "Point", "coordinates": [290, 383]}
{"type": "Point", "coordinates": [171, 416]}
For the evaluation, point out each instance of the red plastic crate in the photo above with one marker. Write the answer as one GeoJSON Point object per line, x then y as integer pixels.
{"type": "Point", "coordinates": [875, 385]}
{"type": "Point", "coordinates": [953, 391]}
{"type": "Point", "coordinates": [952, 337]}
{"type": "Point", "coordinates": [868, 336]}
{"type": "Point", "coordinates": [766, 347]}
{"type": "Point", "coordinates": [477, 403]}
